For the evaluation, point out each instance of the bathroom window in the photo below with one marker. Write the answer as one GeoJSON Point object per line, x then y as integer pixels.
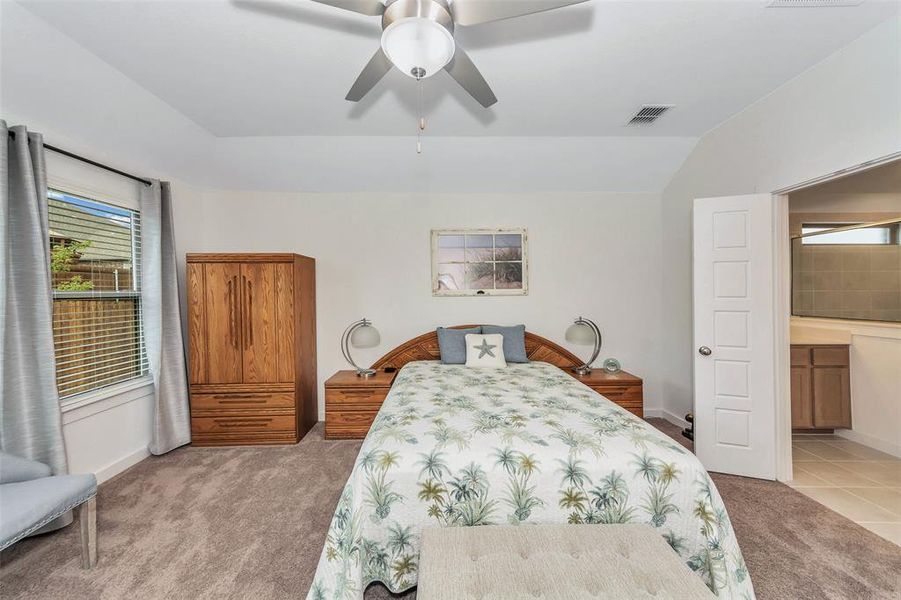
{"type": "Point", "coordinates": [849, 234]}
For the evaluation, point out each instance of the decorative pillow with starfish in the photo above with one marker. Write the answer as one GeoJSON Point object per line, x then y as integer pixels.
{"type": "Point", "coordinates": [485, 350]}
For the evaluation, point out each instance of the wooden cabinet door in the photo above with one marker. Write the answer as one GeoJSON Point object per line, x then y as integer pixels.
{"type": "Point", "coordinates": [832, 397]}
{"type": "Point", "coordinates": [222, 321]}
{"type": "Point", "coordinates": [259, 322]}
{"type": "Point", "coordinates": [284, 321]}
{"type": "Point", "coordinates": [197, 346]}
{"type": "Point", "coordinates": [802, 403]}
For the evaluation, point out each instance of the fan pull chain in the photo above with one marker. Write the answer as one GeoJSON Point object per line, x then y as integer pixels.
{"type": "Point", "coordinates": [421, 119]}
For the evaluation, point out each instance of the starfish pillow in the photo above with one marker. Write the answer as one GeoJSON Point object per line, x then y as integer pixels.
{"type": "Point", "coordinates": [485, 350]}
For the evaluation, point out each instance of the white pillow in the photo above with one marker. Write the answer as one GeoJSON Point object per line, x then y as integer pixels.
{"type": "Point", "coordinates": [485, 350]}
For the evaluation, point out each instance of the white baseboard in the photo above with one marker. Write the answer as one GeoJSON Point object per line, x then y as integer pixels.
{"type": "Point", "coordinates": [871, 441]}
{"type": "Point", "coordinates": [111, 470]}
{"type": "Point", "coordinates": [665, 414]}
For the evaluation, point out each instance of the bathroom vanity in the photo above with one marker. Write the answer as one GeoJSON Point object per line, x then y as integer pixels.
{"type": "Point", "coordinates": [821, 385]}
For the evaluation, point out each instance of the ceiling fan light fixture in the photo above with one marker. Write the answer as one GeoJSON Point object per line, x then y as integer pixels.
{"type": "Point", "coordinates": [417, 46]}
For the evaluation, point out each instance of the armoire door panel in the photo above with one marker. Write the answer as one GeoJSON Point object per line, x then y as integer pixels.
{"type": "Point", "coordinates": [284, 297]}
{"type": "Point", "coordinates": [223, 322]}
{"type": "Point", "coordinates": [258, 299]}
{"type": "Point", "coordinates": [197, 347]}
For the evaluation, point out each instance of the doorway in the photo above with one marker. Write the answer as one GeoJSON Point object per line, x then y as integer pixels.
{"type": "Point", "coordinates": [844, 272]}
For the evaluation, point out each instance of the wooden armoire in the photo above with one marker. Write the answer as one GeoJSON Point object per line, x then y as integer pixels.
{"type": "Point", "coordinates": [252, 348]}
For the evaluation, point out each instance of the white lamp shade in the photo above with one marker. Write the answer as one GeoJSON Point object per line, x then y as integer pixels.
{"type": "Point", "coordinates": [366, 336]}
{"type": "Point", "coordinates": [580, 333]}
{"type": "Point", "coordinates": [417, 43]}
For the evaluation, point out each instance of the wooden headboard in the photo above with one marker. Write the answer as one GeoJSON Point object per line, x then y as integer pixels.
{"type": "Point", "coordinates": [425, 347]}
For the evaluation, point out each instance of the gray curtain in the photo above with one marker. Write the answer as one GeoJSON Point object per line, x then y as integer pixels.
{"type": "Point", "coordinates": [162, 320]}
{"type": "Point", "coordinates": [30, 417]}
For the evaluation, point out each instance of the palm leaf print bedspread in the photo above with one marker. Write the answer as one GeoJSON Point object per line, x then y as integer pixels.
{"type": "Point", "coordinates": [456, 446]}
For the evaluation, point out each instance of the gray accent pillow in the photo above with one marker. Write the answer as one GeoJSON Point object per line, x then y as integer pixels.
{"type": "Point", "coordinates": [452, 344]}
{"type": "Point", "coordinates": [514, 341]}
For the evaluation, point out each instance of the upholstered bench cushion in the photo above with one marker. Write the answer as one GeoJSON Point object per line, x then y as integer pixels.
{"type": "Point", "coordinates": [563, 562]}
{"type": "Point", "coordinates": [14, 468]}
{"type": "Point", "coordinates": [27, 506]}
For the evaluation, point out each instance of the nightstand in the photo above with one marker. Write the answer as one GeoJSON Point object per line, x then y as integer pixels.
{"type": "Point", "coordinates": [352, 402]}
{"type": "Point", "coordinates": [622, 388]}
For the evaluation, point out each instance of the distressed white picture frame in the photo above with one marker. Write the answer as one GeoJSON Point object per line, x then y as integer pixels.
{"type": "Point", "coordinates": [451, 277]}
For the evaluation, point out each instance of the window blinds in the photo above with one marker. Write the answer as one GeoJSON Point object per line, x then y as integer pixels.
{"type": "Point", "coordinates": [95, 269]}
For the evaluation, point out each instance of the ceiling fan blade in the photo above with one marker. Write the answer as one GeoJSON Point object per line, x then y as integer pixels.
{"type": "Point", "coordinates": [470, 79]}
{"type": "Point", "coordinates": [372, 73]}
{"type": "Point", "coordinates": [371, 8]}
{"type": "Point", "coordinates": [473, 12]}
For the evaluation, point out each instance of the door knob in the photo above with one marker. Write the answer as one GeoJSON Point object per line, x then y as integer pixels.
{"type": "Point", "coordinates": [705, 351]}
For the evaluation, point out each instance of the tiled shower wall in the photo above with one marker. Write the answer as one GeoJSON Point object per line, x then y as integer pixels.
{"type": "Point", "coordinates": [846, 282]}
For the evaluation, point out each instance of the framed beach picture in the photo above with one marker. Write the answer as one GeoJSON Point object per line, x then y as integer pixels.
{"type": "Point", "coordinates": [480, 262]}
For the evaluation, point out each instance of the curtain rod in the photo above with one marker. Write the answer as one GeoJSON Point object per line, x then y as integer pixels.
{"type": "Point", "coordinates": [94, 163]}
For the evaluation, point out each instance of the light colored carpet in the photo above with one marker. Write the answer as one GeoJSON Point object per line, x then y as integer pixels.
{"type": "Point", "coordinates": [250, 523]}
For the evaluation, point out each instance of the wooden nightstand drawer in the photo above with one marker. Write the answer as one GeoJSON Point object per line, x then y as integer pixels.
{"type": "Point", "coordinates": [348, 423]}
{"type": "Point", "coordinates": [623, 389]}
{"type": "Point", "coordinates": [355, 396]}
{"type": "Point", "coordinates": [243, 424]}
{"type": "Point", "coordinates": [252, 400]}
{"type": "Point", "coordinates": [619, 393]}
{"type": "Point", "coordinates": [351, 403]}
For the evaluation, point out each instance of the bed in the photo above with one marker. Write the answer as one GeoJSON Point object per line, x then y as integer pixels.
{"type": "Point", "coordinates": [457, 446]}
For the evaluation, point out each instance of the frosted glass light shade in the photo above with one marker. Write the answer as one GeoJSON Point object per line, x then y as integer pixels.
{"type": "Point", "coordinates": [417, 43]}
{"type": "Point", "coordinates": [366, 336]}
{"type": "Point", "coordinates": [580, 333]}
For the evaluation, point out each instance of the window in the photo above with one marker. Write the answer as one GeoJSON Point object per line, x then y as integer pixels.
{"type": "Point", "coordinates": [95, 251]}
{"type": "Point", "coordinates": [479, 262]}
{"type": "Point", "coordinates": [876, 235]}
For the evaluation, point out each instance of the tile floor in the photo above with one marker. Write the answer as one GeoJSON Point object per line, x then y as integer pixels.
{"type": "Point", "coordinates": [856, 481]}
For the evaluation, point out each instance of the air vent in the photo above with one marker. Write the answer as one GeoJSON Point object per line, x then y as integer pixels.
{"type": "Point", "coordinates": [648, 113]}
{"type": "Point", "coordinates": [812, 3]}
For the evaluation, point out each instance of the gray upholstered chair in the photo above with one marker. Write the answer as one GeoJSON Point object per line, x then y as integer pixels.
{"type": "Point", "coordinates": [30, 497]}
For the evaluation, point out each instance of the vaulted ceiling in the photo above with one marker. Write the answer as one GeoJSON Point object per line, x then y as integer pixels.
{"type": "Point", "coordinates": [281, 68]}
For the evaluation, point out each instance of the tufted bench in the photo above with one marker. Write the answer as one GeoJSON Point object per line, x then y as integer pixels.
{"type": "Point", "coordinates": [563, 562]}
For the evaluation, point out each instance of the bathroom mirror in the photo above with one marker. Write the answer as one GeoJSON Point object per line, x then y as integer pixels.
{"type": "Point", "coordinates": [847, 271]}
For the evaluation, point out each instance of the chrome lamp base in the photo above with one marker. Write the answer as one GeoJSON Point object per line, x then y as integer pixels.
{"type": "Point", "coordinates": [366, 372]}
{"type": "Point", "coordinates": [583, 370]}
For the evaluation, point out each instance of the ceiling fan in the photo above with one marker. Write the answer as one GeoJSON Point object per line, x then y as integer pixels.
{"type": "Point", "coordinates": [418, 38]}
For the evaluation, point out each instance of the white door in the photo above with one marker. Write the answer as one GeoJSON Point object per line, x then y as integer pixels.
{"type": "Point", "coordinates": [735, 393]}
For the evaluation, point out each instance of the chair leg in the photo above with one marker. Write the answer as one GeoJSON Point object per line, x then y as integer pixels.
{"type": "Point", "coordinates": [87, 517]}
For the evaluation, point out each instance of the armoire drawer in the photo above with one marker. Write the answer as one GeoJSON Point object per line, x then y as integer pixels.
{"type": "Point", "coordinates": [243, 424]}
{"type": "Point", "coordinates": [253, 400]}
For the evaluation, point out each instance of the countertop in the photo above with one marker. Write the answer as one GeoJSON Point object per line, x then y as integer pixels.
{"type": "Point", "coordinates": [814, 336]}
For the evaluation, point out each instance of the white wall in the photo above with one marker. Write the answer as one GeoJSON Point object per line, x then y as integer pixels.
{"type": "Point", "coordinates": [875, 190]}
{"type": "Point", "coordinates": [596, 255]}
{"type": "Point", "coordinates": [108, 436]}
{"type": "Point", "coordinates": [842, 112]}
